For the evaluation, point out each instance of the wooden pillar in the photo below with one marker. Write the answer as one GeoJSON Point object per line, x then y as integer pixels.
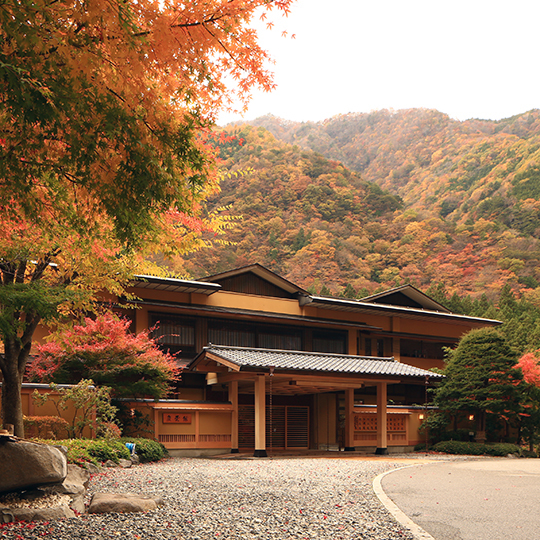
{"type": "Point", "coordinates": [396, 348]}
{"type": "Point", "coordinates": [382, 435]}
{"type": "Point", "coordinates": [156, 424]}
{"type": "Point", "coordinates": [197, 429]}
{"type": "Point", "coordinates": [260, 416]}
{"type": "Point", "coordinates": [349, 420]}
{"type": "Point", "coordinates": [233, 398]}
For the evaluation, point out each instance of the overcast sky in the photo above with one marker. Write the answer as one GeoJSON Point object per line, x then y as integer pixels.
{"type": "Point", "coordinates": [466, 58]}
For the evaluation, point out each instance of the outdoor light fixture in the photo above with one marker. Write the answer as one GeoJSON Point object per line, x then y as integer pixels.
{"type": "Point", "coordinates": [421, 416]}
{"type": "Point", "coordinates": [211, 378]}
{"type": "Point", "coordinates": [471, 416]}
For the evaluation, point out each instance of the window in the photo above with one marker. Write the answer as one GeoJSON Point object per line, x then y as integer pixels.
{"type": "Point", "coordinates": [329, 342]}
{"type": "Point", "coordinates": [174, 334]}
{"type": "Point", "coordinates": [423, 349]}
{"type": "Point", "coordinates": [256, 336]}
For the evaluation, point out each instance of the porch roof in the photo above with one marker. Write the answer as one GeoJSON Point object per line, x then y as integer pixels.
{"type": "Point", "coordinates": [241, 358]}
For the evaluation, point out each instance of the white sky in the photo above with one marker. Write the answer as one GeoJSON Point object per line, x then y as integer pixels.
{"type": "Point", "coordinates": [465, 58]}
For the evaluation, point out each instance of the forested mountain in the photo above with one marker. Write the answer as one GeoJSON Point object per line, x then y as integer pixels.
{"type": "Point", "coordinates": [432, 200]}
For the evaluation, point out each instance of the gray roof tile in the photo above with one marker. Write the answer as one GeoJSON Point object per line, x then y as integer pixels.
{"type": "Point", "coordinates": [311, 361]}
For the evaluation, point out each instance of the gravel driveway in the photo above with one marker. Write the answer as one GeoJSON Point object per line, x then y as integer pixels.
{"type": "Point", "coordinates": [312, 498]}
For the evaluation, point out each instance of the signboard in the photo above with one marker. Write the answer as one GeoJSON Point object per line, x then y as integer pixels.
{"type": "Point", "coordinates": [176, 418]}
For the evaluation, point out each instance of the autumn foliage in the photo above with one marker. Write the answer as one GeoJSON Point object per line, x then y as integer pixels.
{"type": "Point", "coordinates": [112, 100]}
{"type": "Point", "coordinates": [106, 110]}
{"type": "Point", "coordinates": [399, 197]}
{"type": "Point", "coordinates": [529, 364]}
{"type": "Point", "coordinates": [103, 350]}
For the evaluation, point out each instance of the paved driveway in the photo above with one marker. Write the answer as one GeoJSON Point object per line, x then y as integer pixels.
{"type": "Point", "coordinates": [480, 499]}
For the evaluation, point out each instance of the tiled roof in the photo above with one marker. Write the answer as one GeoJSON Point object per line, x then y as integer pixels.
{"type": "Point", "coordinates": [311, 361]}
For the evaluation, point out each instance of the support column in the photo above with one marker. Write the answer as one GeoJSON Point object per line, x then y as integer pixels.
{"type": "Point", "coordinates": [233, 398]}
{"type": "Point", "coordinates": [156, 424]}
{"type": "Point", "coordinates": [382, 435]}
{"type": "Point", "coordinates": [349, 420]}
{"type": "Point", "coordinates": [260, 417]}
{"type": "Point", "coordinates": [396, 349]}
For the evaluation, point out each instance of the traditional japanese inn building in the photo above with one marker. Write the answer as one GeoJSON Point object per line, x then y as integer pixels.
{"type": "Point", "coordinates": [269, 366]}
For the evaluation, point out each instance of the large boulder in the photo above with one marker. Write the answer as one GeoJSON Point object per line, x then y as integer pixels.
{"type": "Point", "coordinates": [103, 503]}
{"type": "Point", "coordinates": [24, 464]}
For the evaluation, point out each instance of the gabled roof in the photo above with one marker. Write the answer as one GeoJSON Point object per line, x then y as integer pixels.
{"type": "Point", "coordinates": [264, 274]}
{"type": "Point", "coordinates": [406, 296]}
{"type": "Point", "coordinates": [341, 304]}
{"type": "Point", "coordinates": [174, 285]}
{"type": "Point", "coordinates": [243, 358]}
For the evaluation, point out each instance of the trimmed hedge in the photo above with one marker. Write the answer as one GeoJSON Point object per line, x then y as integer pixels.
{"type": "Point", "coordinates": [147, 449]}
{"type": "Point", "coordinates": [476, 449]}
{"type": "Point", "coordinates": [97, 451]}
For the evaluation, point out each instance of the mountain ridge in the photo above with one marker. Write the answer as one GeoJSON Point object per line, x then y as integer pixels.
{"type": "Point", "coordinates": [431, 200]}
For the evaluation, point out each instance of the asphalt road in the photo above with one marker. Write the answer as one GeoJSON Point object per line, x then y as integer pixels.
{"type": "Point", "coordinates": [484, 499]}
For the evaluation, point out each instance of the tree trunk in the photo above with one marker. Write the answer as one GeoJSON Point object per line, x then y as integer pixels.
{"type": "Point", "coordinates": [12, 412]}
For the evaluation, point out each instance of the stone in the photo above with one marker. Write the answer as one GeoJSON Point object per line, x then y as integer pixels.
{"type": "Point", "coordinates": [92, 469]}
{"type": "Point", "coordinates": [135, 460]}
{"type": "Point", "coordinates": [75, 485]}
{"type": "Point", "coordinates": [8, 515]}
{"type": "Point", "coordinates": [103, 503]}
{"type": "Point", "coordinates": [110, 464]}
{"type": "Point", "coordinates": [77, 504]}
{"type": "Point", "coordinates": [24, 464]}
{"type": "Point", "coordinates": [125, 463]}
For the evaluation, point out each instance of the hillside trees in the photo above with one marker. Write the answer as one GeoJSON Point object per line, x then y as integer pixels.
{"type": "Point", "coordinates": [104, 110]}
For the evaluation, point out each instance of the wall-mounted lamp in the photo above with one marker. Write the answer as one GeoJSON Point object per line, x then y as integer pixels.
{"type": "Point", "coordinates": [421, 416]}
{"type": "Point", "coordinates": [211, 378]}
{"type": "Point", "coordinates": [471, 417]}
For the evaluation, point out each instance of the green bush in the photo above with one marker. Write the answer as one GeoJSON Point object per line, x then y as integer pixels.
{"type": "Point", "coordinates": [476, 449]}
{"type": "Point", "coordinates": [147, 449]}
{"type": "Point", "coordinates": [421, 447]}
{"type": "Point", "coordinates": [93, 451]}
{"type": "Point", "coordinates": [502, 449]}
{"type": "Point", "coordinates": [108, 449]}
{"type": "Point", "coordinates": [97, 451]}
{"type": "Point", "coordinates": [459, 447]}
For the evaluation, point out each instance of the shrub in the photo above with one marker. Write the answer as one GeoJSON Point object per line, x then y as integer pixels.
{"type": "Point", "coordinates": [96, 451]}
{"type": "Point", "coordinates": [104, 450]}
{"type": "Point", "coordinates": [459, 447]}
{"type": "Point", "coordinates": [147, 449]}
{"type": "Point", "coordinates": [108, 430]}
{"type": "Point", "coordinates": [92, 450]}
{"type": "Point", "coordinates": [87, 400]}
{"type": "Point", "coordinates": [502, 449]}
{"type": "Point", "coordinates": [45, 426]}
{"type": "Point", "coordinates": [476, 449]}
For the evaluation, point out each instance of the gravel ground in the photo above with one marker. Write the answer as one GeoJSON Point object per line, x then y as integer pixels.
{"type": "Point", "coordinates": [241, 499]}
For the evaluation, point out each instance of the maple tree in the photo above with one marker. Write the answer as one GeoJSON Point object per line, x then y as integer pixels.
{"type": "Point", "coordinates": [108, 99]}
{"type": "Point", "coordinates": [529, 364]}
{"type": "Point", "coordinates": [103, 349]}
{"type": "Point", "coordinates": [105, 145]}
{"type": "Point", "coordinates": [49, 272]}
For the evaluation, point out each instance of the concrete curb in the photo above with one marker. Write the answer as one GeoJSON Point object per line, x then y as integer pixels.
{"type": "Point", "coordinates": [402, 519]}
